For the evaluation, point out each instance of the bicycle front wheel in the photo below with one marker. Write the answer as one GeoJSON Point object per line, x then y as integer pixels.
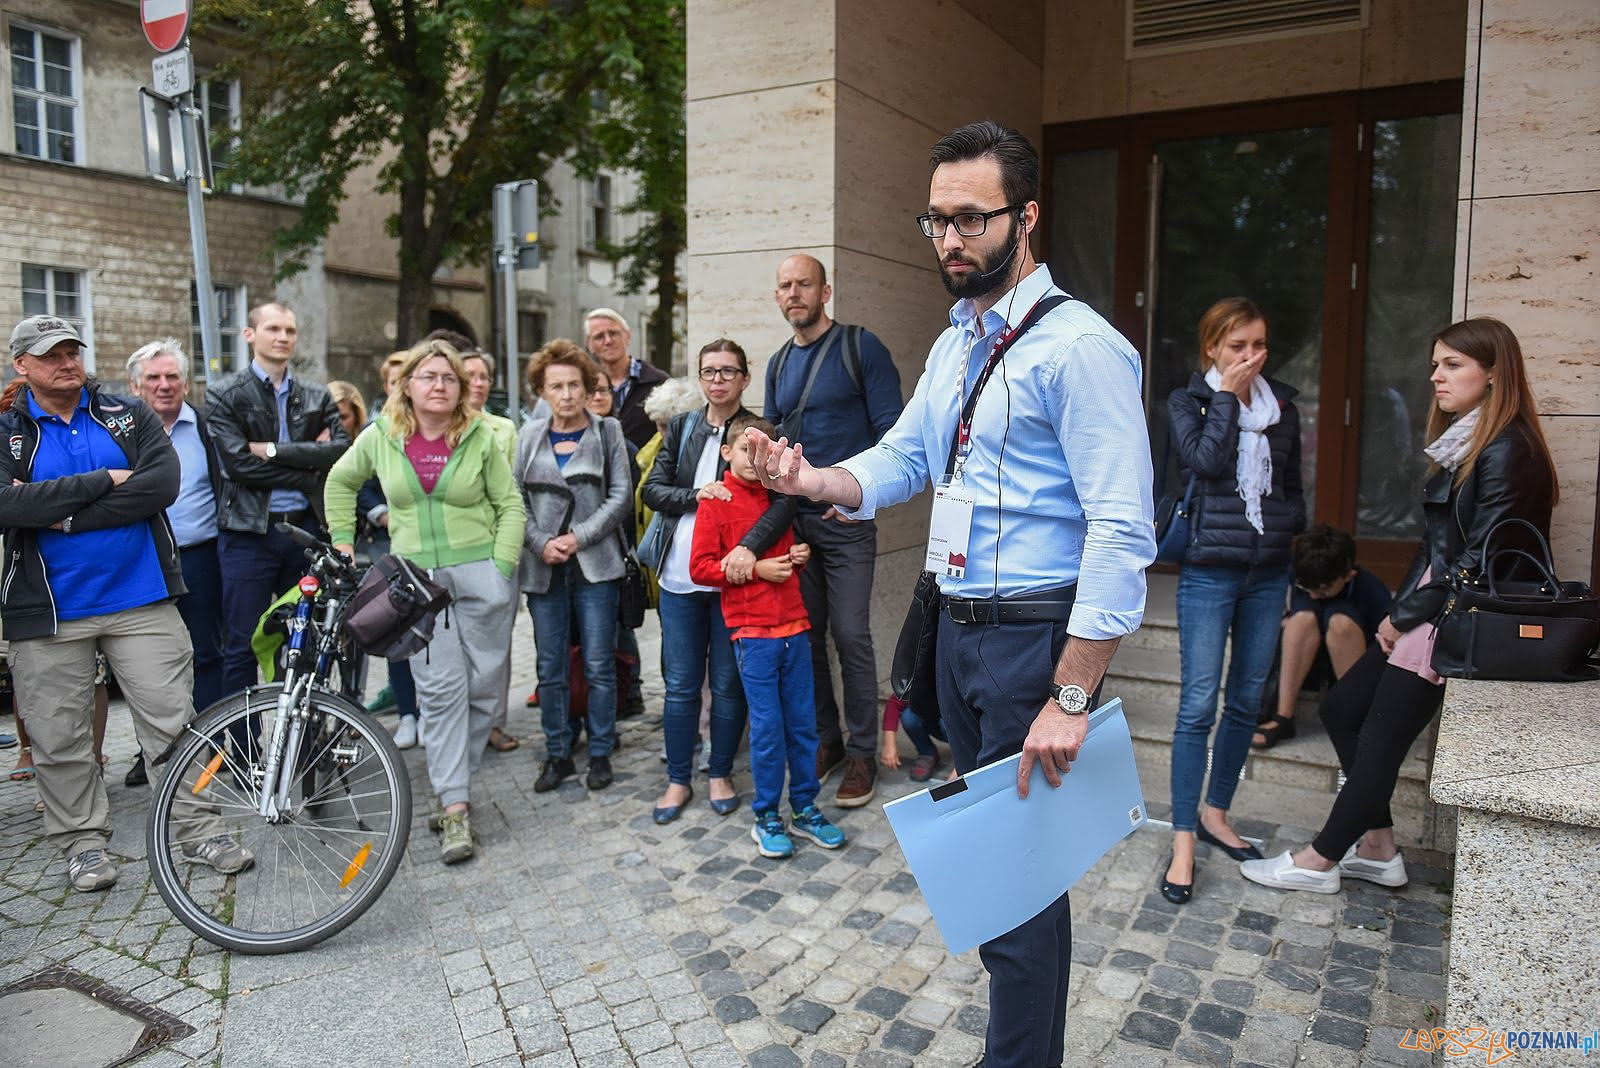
{"type": "Point", "coordinates": [312, 868]}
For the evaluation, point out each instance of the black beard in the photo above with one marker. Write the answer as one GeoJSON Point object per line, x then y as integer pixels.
{"type": "Point", "coordinates": [983, 280]}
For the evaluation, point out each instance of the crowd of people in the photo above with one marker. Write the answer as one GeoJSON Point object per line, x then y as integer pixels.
{"type": "Point", "coordinates": [144, 531]}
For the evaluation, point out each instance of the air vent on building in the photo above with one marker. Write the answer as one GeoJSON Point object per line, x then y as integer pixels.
{"type": "Point", "coordinates": [1157, 26]}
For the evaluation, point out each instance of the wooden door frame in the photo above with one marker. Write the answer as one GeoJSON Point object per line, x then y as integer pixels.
{"type": "Point", "coordinates": [1349, 117]}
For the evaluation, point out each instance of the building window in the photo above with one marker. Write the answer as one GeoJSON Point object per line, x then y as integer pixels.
{"type": "Point", "coordinates": [234, 353]}
{"type": "Point", "coordinates": [64, 294]}
{"type": "Point", "coordinates": [218, 100]}
{"type": "Point", "coordinates": [44, 94]}
{"type": "Point", "coordinates": [597, 223]}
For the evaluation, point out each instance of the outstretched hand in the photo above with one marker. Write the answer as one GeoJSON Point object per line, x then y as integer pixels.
{"type": "Point", "coordinates": [781, 466]}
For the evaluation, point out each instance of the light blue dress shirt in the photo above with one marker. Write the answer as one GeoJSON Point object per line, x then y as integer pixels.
{"type": "Point", "coordinates": [282, 500]}
{"type": "Point", "coordinates": [1059, 466]}
{"type": "Point", "coordinates": [194, 514]}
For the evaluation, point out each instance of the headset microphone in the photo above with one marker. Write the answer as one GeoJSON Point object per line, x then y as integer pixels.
{"type": "Point", "coordinates": [985, 277]}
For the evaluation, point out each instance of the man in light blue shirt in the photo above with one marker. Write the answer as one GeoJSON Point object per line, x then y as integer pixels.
{"type": "Point", "coordinates": [1042, 534]}
{"type": "Point", "coordinates": [158, 374]}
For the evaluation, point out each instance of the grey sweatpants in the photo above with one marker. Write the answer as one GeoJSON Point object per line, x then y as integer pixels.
{"type": "Point", "coordinates": [463, 673]}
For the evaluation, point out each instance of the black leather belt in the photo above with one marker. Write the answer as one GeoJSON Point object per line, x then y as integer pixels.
{"type": "Point", "coordinates": [274, 518]}
{"type": "Point", "coordinates": [1046, 606]}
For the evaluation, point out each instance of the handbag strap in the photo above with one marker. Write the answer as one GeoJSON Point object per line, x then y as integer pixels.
{"type": "Point", "coordinates": [1043, 307]}
{"type": "Point", "coordinates": [1486, 559]}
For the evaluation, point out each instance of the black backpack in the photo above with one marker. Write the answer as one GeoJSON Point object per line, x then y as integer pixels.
{"type": "Point", "coordinates": [392, 612]}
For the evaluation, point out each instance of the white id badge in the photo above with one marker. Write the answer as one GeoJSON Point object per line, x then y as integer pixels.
{"type": "Point", "coordinates": [949, 529]}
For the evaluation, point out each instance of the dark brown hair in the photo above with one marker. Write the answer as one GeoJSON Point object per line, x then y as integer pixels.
{"type": "Point", "coordinates": [1222, 319]}
{"type": "Point", "coordinates": [564, 353]}
{"type": "Point", "coordinates": [723, 344]}
{"type": "Point", "coordinates": [1019, 163]}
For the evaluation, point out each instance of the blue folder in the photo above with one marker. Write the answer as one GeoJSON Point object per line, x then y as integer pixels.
{"type": "Point", "coordinates": [988, 861]}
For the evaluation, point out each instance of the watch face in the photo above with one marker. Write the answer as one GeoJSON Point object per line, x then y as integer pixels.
{"type": "Point", "coordinates": [1072, 698]}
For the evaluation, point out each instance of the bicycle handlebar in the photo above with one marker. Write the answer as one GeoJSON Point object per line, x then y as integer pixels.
{"type": "Point", "coordinates": [321, 551]}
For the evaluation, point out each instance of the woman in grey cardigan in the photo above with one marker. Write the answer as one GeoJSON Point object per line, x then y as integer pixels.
{"type": "Point", "coordinates": [573, 469]}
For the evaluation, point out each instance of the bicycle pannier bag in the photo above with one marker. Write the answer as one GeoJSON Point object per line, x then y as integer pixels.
{"type": "Point", "coordinates": [393, 611]}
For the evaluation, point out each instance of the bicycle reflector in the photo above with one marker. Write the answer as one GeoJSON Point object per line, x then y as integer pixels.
{"type": "Point", "coordinates": [309, 585]}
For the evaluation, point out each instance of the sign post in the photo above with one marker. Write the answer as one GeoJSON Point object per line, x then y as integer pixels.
{"type": "Point", "coordinates": [516, 244]}
{"type": "Point", "coordinates": [166, 27]}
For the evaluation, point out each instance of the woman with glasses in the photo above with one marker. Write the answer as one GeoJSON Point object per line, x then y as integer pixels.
{"type": "Point", "coordinates": [454, 509]}
{"type": "Point", "coordinates": [1237, 433]}
{"type": "Point", "coordinates": [572, 466]}
{"type": "Point", "coordinates": [687, 470]}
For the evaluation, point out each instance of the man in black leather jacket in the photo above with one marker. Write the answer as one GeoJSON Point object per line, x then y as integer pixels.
{"type": "Point", "coordinates": [276, 435]}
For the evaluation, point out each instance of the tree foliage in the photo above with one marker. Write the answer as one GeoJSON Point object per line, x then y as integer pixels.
{"type": "Point", "coordinates": [446, 98]}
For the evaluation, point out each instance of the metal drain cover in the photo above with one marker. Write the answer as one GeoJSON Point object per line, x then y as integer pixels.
{"type": "Point", "coordinates": [66, 1019]}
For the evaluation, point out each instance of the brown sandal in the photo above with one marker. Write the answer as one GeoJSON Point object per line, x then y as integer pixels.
{"type": "Point", "coordinates": [501, 741]}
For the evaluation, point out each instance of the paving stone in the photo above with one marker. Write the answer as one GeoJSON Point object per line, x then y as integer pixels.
{"type": "Point", "coordinates": [1250, 920]}
{"type": "Point", "coordinates": [1151, 922]}
{"type": "Point", "coordinates": [1175, 1008]}
{"type": "Point", "coordinates": [1345, 1003]}
{"type": "Point", "coordinates": [1217, 1020]}
{"type": "Point", "coordinates": [1417, 985]}
{"type": "Point", "coordinates": [823, 1059]}
{"type": "Point", "coordinates": [1300, 956]}
{"type": "Point", "coordinates": [973, 1020]}
{"type": "Point", "coordinates": [1338, 1031]}
{"type": "Point", "coordinates": [1410, 932]}
{"type": "Point", "coordinates": [1200, 1048]}
{"type": "Point", "coordinates": [883, 1002]}
{"type": "Point", "coordinates": [1190, 955]}
{"type": "Point", "coordinates": [1148, 1029]}
{"type": "Point", "coordinates": [1175, 980]}
{"type": "Point", "coordinates": [1250, 942]}
{"type": "Point", "coordinates": [734, 1008]}
{"type": "Point", "coordinates": [1199, 932]}
{"type": "Point", "coordinates": [1128, 960]}
{"type": "Point", "coordinates": [882, 1058]}
{"type": "Point", "coordinates": [1355, 980]}
{"type": "Point", "coordinates": [805, 1016]}
{"type": "Point", "coordinates": [1417, 959]}
{"type": "Point", "coordinates": [775, 1056]}
{"type": "Point", "coordinates": [1233, 992]}
{"type": "Point", "coordinates": [1367, 957]}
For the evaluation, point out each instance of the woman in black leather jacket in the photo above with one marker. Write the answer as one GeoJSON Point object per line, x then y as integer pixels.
{"type": "Point", "coordinates": [1237, 434]}
{"type": "Point", "coordinates": [1488, 463]}
{"type": "Point", "coordinates": [688, 470]}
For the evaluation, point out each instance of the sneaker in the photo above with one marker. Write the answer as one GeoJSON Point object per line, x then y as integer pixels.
{"type": "Point", "coordinates": [91, 870]}
{"type": "Point", "coordinates": [923, 767]}
{"type": "Point", "coordinates": [1391, 872]}
{"type": "Point", "coordinates": [138, 775]}
{"type": "Point", "coordinates": [220, 852]}
{"type": "Point", "coordinates": [455, 837]}
{"type": "Point", "coordinates": [405, 735]}
{"type": "Point", "coordinates": [860, 779]}
{"type": "Point", "coordinates": [553, 774]}
{"type": "Point", "coordinates": [810, 823]}
{"type": "Point", "coordinates": [7, 741]}
{"type": "Point", "coordinates": [769, 837]}
{"type": "Point", "coordinates": [599, 776]}
{"type": "Point", "coordinates": [1282, 872]}
{"type": "Point", "coordinates": [829, 756]}
{"type": "Point", "coordinates": [384, 702]}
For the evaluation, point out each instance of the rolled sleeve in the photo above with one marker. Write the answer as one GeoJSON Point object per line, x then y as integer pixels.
{"type": "Point", "coordinates": [1108, 453]}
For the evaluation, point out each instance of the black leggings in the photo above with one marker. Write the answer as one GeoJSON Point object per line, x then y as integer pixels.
{"type": "Point", "coordinates": [1373, 715]}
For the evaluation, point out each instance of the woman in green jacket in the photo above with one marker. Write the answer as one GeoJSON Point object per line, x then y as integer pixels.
{"type": "Point", "coordinates": [453, 509]}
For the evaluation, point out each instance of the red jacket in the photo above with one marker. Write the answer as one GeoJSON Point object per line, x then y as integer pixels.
{"type": "Point", "coordinates": [718, 526]}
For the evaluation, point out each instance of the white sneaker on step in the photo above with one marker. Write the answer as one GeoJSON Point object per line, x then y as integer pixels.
{"type": "Point", "coordinates": [1391, 872]}
{"type": "Point", "coordinates": [1282, 872]}
{"type": "Point", "coordinates": [405, 735]}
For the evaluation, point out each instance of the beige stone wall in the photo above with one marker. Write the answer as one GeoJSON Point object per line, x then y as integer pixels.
{"type": "Point", "coordinates": [1404, 42]}
{"type": "Point", "coordinates": [1528, 236]}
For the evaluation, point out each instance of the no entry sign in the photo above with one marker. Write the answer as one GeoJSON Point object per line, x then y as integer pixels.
{"type": "Point", "coordinates": [164, 22]}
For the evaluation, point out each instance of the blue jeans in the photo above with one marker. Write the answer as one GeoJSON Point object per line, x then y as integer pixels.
{"type": "Point", "coordinates": [594, 606]}
{"type": "Point", "coordinates": [921, 733]}
{"type": "Point", "coordinates": [1211, 602]}
{"type": "Point", "coordinates": [783, 723]}
{"type": "Point", "coordinates": [693, 635]}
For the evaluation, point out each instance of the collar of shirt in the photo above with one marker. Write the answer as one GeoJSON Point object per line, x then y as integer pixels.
{"type": "Point", "coordinates": [39, 413]}
{"type": "Point", "coordinates": [186, 414]}
{"type": "Point", "coordinates": [261, 373]}
{"type": "Point", "coordinates": [1008, 311]}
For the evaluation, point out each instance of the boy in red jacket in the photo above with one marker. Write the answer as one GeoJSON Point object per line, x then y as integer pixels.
{"type": "Point", "coordinates": [768, 623]}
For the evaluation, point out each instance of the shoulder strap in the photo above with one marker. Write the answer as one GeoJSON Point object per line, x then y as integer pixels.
{"type": "Point", "coordinates": [852, 359]}
{"type": "Point", "coordinates": [1039, 311]}
{"type": "Point", "coordinates": [834, 334]}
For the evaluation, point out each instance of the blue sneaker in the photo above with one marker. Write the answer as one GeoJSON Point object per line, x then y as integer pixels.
{"type": "Point", "coordinates": [810, 823]}
{"type": "Point", "coordinates": [769, 836]}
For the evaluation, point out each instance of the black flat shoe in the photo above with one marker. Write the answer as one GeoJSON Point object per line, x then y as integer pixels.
{"type": "Point", "coordinates": [1177, 893]}
{"type": "Point", "coordinates": [1273, 730]}
{"type": "Point", "coordinates": [667, 813]}
{"type": "Point", "coordinates": [1244, 852]}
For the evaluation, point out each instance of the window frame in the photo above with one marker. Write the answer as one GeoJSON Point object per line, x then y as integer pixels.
{"type": "Point", "coordinates": [230, 337]}
{"type": "Point", "coordinates": [204, 84]}
{"type": "Point", "coordinates": [599, 212]}
{"type": "Point", "coordinates": [85, 321]}
{"type": "Point", "coordinates": [43, 96]}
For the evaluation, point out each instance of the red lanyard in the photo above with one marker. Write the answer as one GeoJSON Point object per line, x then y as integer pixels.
{"type": "Point", "coordinates": [1003, 342]}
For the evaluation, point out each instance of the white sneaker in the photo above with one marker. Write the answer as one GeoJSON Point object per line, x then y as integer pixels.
{"type": "Point", "coordinates": [405, 735]}
{"type": "Point", "coordinates": [1391, 872]}
{"type": "Point", "coordinates": [1282, 872]}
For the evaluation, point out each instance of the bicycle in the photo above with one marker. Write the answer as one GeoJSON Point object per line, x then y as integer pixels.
{"type": "Point", "coordinates": [324, 805]}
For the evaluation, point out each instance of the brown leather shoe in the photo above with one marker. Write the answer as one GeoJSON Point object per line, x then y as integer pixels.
{"type": "Point", "coordinates": [860, 783]}
{"type": "Point", "coordinates": [829, 756]}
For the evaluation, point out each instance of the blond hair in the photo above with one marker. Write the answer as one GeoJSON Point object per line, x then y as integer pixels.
{"type": "Point", "coordinates": [398, 410]}
{"type": "Point", "coordinates": [346, 393]}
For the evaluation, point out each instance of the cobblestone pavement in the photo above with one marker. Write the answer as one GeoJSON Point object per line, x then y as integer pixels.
{"type": "Point", "coordinates": [583, 934]}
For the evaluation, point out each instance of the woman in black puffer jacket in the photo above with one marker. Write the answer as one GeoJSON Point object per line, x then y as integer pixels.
{"type": "Point", "coordinates": [1489, 463]}
{"type": "Point", "coordinates": [1237, 433]}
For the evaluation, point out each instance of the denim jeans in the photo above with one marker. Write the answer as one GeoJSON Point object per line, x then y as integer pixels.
{"type": "Point", "coordinates": [1212, 601]}
{"type": "Point", "coordinates": [783, 725]}
{"type": "Point", "coordinates": [594, 606]}
{"type": "Point", "coordinates": [693, 636]}
{"type": "Point", "coordinates": [921, 732]}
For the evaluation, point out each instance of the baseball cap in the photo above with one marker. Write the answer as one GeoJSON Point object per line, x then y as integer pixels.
{"type": "Point", "coordinates": [38, 334]}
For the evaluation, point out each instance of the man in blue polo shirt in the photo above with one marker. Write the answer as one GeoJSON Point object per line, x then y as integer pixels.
{"type": "Point", "coordinates": [90, 563]}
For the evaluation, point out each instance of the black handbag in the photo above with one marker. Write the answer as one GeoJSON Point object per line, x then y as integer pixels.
{"type": "Point", "coordinates": [392, 612]}
{"type": "Point", "coordinates": [1174, 515]}
{"type": "Point", "coordinates": [911, 674]}
{"type": "Point", "coordinates": [1523, 631]}
{"type": "Point", "coordinates": [633, 595]}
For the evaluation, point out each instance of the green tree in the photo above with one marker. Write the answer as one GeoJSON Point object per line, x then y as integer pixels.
{"type": "Point", "coordinates": [447, 97]}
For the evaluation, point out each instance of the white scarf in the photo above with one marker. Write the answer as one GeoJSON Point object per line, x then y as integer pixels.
{"type": "Point", "coordinates": [1254, 466]}
{"type": "Point", "coordinates": [1450, 448]}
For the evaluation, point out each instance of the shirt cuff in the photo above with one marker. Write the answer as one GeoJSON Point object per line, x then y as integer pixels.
{"type": "Point", "coordinates": [861, 472]}
{"type": "Point", "coordinates": [1099, 624]}
{"type": "Point", "coordinates": [376, 513]}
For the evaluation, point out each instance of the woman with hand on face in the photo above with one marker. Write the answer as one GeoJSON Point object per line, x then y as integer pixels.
{"type": "Point", "coordinates": [454, 510]}
{"type": "Point", "coordinates": [687, 470]}
{"type": "Point", "coordinates": [1488, 462]}
{"type": "Point", "coordinates": [572, 466]}
{"type": "Point", "coordinates": [1238, 433]}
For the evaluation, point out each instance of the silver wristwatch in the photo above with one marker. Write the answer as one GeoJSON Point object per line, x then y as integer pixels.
{"type": "Point", "coordinates": [1071, 699]}
{"type": "Point", "coordinates": [272, 450]}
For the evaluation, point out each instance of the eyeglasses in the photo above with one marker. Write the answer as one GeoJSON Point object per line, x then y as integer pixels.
{"type": "Point", "coordinates": [967, 223]}
{"type": "Point", "coordinates": [429, 380]}
{"type": "Point", "coordinates": [719, 374]}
